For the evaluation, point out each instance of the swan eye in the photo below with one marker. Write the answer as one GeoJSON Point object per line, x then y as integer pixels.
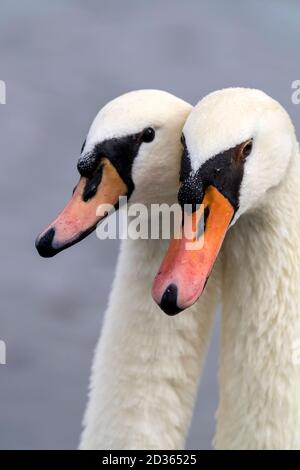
{"type": "Point", "coordinates": [247, 149]}
{"type": "Point", "coordinates": [148, 135]}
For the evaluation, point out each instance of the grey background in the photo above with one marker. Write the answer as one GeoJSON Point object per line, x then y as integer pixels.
{"type": "Point", "coordinates": [62, 61]}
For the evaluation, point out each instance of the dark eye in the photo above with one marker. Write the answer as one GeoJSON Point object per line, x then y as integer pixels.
{"type": "Point", "coordinates": [247, 149]}
{"type": "Point", "coordinates": [182, 139]}
{"type": "Point", "coordinates": [148, 134]}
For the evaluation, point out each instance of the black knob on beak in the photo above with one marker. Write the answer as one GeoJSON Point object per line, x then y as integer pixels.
{"type": "Point", "coordinates": [87, 165]}
{"type": "Point", "coordinates": [191, 192]}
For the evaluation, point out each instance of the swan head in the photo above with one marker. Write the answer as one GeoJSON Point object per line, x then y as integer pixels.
{"type": "Point", "coordinates": [132, 149]}
{"type": "Point", "coordinates": [237, 146]}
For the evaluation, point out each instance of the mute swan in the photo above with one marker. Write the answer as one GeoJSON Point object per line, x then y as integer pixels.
{"type": "Point", "coordinates": [146, 365]}
{"type": "Point", "coordinates": [242, 161]}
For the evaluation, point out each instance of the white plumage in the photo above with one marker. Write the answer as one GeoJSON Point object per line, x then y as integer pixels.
{"type": "Point", "coordinates": [259, 380]}
{"type": "Point", "coordinates": [146, 365]}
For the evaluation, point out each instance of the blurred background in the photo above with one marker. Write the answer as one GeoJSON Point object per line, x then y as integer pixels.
{"type": "Point", "coordinates": [62, 61]}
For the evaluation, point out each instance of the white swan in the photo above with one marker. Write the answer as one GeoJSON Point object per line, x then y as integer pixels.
{"type": "Point", "coordinates": [146, 365]}
{"type": "Point", "coordinates": [242, 160]}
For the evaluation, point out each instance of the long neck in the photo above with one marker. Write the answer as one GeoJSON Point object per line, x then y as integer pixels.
{"type": "Point", "coordinates": [259, 376]}
{"type": "Point", "coordinates": [147, 364]}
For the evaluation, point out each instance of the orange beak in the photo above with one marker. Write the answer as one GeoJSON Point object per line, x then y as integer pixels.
{"type": "Point", "coordinates": [190, 259]}
{"type": "Point", "coordinates": [80, 216]}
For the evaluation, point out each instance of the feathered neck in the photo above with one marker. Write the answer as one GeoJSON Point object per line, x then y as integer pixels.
{"type": "Point", "coordinates": [259, 382]}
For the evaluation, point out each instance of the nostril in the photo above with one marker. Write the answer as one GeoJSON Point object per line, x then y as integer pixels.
{"type": "Point", "coordinates": [169, 301]}
{"type": "Point", "coordinates": [44, 244]}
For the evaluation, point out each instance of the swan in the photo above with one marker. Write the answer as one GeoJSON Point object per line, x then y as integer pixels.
{"type": "Point", "coordinates": [241, 172]}
{"type": "Point", "coordinates": [146, 365]}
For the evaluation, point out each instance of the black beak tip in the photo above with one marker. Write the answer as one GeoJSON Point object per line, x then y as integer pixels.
{"type": "Point", "coordinates": [44, 244]}
{"type": "Point", "coordinates": [169, 301]}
